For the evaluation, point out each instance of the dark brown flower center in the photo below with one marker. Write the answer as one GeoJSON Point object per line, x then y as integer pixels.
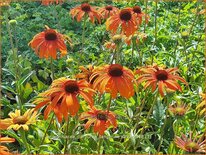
{"type": "Point", "coordinates": [137, 9]}
{"type": "Point", "coordinates": [161, 75]}
{"type": "Point", "coordinates": [71, 87]}
{"type": "Point", "coordinates": [125, 15]}
{"type": "Point", "coordinates": [50, 35]}
{"type": "Point", "coordinates": [20, 120]}
{"type": "Point", "coordinates": [115, 70]}
{"type": "Point", "coordinates": [192, 146]}
{"type": "Point", "coordinates": [102, 116]}
{"type": "Point", "coordinates": [109, 7]}
{"type": "Point", "coordinates": [85, 7]}
{"type": "Point", "coordinates": [91, 81]}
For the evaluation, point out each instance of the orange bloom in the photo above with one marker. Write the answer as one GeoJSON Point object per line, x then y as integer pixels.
{"type": "Point", "coordinates": [137, 37]}
{"type": "Point", "coordinates": [163, 78]}
{"type": "Point", "coordinates": [65, 91]}
{"type": "Point", "coordinates": [102, 120]}
{"type": "Point", "coordinates": [108, 11]}
{"type": "Point", "coordinates": [86, 72]}
{"type": "Point", "coordinates": [48, 2]}
{"type": "Point", "coordinates": [138, 12]}
{"type": "Point", "coordinates": [3, 149]}
{"type": "Point", "coordinates": [178, 109]}
{"type": "Point", "coordinates": [83, 10]}
{"type": "Point", "coordinates": [124, 19]}
{"type": "Point", "coordinates": [47, 43]}
{"type": "Point", "coordinates": [114, 78]}
{"type": "Point", "coordinates": [190, 145]}
{"type": "Point", "coordinates": [59, 109]}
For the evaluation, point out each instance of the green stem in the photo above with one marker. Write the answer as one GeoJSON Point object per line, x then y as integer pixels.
{"type": "Point", "coordinates": [99, 146]}
{"type": "Point", "coordinates": [145, 15]}
{"type": "Point", "coordinates": [52, 68]}
{"type": "Point", "coordinates": [67, 137]}
{"type": "Point", "coordinates": [47, 129]}
{"type": "Point", "coordinates": [23, 136]}
{"type": "Point", "coordinates": [83, 32]}
{"type": "Point", "coordinates": [162, 129]}
{"type": "Point", "coordinates": [149, 113]}
{"type": "Point", "coordinates": [16, 61]}
{"type": "Point", "coordinates": [178, 24]}
{"type": "Point", "coordinates": [108, 107]}
{"type": "Point", "coordinates": [155, 33]}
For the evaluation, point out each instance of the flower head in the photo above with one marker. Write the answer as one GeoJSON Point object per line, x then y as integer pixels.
{"type": "Point", "coordinates": [3, 149]}
{"type": "Point", "coordinates": [178, 109]}
{"type": "Point", "coordinates": [101, 120]}
{"type": "Point", "coordinates": [159, 77]}
{"type": "Point", "coordinates": [139, 14]}
{"type": "Point", "coordinates": [47, 43]}
{"type": "Point", "coordinates": [86, 73]}
{"type": "Point", "coordinates": [63, 95]}
{"type": "Point", "coordinates": [22, 121]}
{"type": "Point", "coordinates": [110, 45]}
{"type": "Point", "coordinates": [125, 19]}
{"type": "Point", "coordinates": [114, 78]}
{"type": "Point", "coordinates": [190, 145]}
{"type": "Point", "coordinates": [108, 11]}
{"type": "Point", "coordinates": [85, 10]}
{"type": "Point", "coordinates": [48, 2]}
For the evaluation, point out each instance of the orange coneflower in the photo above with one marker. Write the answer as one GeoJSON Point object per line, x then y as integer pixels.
{"type": "Point", "coordinates": [59, 109]}
{"type": "Point", "coordinates": [191, 145]}
{"type": "Point", "coordinates": [86, 73]}
{"type": "Point", "coordinates": [65, 92]}
{"type": "Point", "coordinates": [3, 149]}
{"type": "Point", "coordinates": [137, 36]}
{"type": "Point", "coordinates": [83, 10]}
{"type": "Point", "coordinates": [138, 12]}
{"type": "Point", "coordinates": [124, 19]}
{"type": "Point", "coordinates": [47, 43]}
{"type": "Point", "coordinates": [201, 107]}
{"type": "Point", "coordinates": [163, 78]}
{"type": "Point", "coordinates": [23, 121]}
{"type": "Point", "coordinates": [101, 119]}
{"type": "Point", "coordinates": [108, 11]}
{"type": "Point", "coordinates": [48, 2]}
{"type": "Point", "coordinates": [114, 78]}
{"type": "Point", "coordinates": [178, 109]}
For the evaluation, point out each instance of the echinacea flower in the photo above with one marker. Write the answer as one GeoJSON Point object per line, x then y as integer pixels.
{"type": "Point", "coordinates": [138, 12]}
{"type": "Point", "coordinates": [178, 109]}
{"type": "Point", "coordinates": [3, 149]}
{"type": "Point", "coordinates": [85, 9]}
{"type": "Point", "coordinates": [125, 20]}
{"type": "Point", "coordinates": [137, 37]}
{"type": "Point", "coordinates": [48, 2]}
{"type": "Point", "coordinates": [108, 11]}
{"type": "Point", "coordinates": [190, 145]}
{"type": "Point", "coordinates": [102, 120]}
{"type": "Point", "coordinates": [114, 78]}
{"type": "Point", "coordinates": [201, 107]}
{"type": "Point", "coordinates": [22, 121]}
{"type": "Point", "coordinates": [162, 78]}
{"type": "Point", "coordinates": [47, 43]}
{"type": "Point", "coordinates": [60, 110]}
{"type": "Point", "coordinates": [5, 123]}
{"type": "Point", "coordinates": [64, 92]}
{"type": "Point", "coordinates": [86, 73]}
